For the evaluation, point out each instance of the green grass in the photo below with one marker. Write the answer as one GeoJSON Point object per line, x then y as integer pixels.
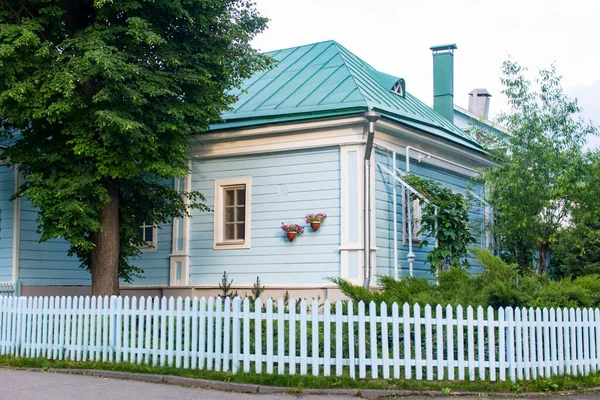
{"type": "Point", "coordinates": [297, 383]}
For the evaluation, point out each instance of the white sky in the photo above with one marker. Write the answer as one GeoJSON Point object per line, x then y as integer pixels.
{"type": "Point", "coordinates": [394, 36]}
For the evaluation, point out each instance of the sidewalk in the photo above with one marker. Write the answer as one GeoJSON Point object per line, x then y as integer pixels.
{"type": "Point", "coordinates": [77, 384]}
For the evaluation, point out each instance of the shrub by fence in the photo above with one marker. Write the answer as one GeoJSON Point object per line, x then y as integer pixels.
{"type": "Point", "coordinates": [328, 339]}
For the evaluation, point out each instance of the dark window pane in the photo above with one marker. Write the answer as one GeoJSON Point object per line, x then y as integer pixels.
{"type": "Point", "coordinates": [148, 234]}
{"type": "Point", "coordinates": [229, 197]}
{"type": "Point", "coordinates": [229, 231]}
{"type": "Point", "coordinates": [241, 231]}
{"type": "Point", "coordinates": [229, 214]}
{"type": "Point", "coordinates": [241, 197]}
{"type": "Point", "coordinates": [240, 214]}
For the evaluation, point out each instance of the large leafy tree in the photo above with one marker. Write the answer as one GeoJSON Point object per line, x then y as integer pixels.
{"type": "Point", "coordinates": [101, 98]}
{"type": "Point", "coordinates": [541, 170]}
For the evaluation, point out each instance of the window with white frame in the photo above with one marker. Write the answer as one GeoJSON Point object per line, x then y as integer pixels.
{"type": "Point", "coordinates": [415, 215]}
{"type": "Point", "coordinates": [149, 235]}
{"type": "Point", "coordinates": [232, 213]}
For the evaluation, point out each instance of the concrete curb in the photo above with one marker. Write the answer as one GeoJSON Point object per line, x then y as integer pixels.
{"type": "Point", "coordinates": [261, 389]}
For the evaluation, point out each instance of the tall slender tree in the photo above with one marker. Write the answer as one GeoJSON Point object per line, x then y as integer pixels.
{"type": "Point", "coordinates": [101, 98]}
{"type": "Point", "coordinates": [538, 180]}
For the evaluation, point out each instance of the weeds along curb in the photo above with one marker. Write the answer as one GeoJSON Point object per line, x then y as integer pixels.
{"type": "Point", "coordinates": [263, 389]}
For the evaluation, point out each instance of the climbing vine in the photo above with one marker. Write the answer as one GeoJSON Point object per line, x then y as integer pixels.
{"type": "Point", "coordinates": [452, 228]}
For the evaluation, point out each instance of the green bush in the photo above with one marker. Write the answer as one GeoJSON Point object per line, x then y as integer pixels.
{"type": "Point", "coordinates": [499, 285]}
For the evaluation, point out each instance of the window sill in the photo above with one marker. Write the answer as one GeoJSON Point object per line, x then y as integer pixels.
{"type": "Point", "coordinates": [231, 245]}
{"type": "Point", "coordinates": [148, 249]}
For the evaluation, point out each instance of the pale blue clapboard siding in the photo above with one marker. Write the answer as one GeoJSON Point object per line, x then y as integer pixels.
{"type": "Point", "coordinates": [384, 216]}
{"type": "Point", "coordinates": [285, 187]}
{"type": "Point", "coordinates": [7, 183]}
{"type": "Point", "coordinates": [47, 263]}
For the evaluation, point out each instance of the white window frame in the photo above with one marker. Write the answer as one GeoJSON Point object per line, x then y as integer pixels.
{"type": "Point", "coordinates": [149, 246]}
{"type": "Point", "coordinates": [416, 214]}
{"type": "Point", "coordinates": [219, 238]}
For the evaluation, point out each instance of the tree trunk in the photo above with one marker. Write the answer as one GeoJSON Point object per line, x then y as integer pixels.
{"type": "Point", "coordinates": [542, 259]}
{"type": "Point", "coordinates": [104, 262]}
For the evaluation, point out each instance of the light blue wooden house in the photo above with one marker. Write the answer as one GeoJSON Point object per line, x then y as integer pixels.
{"type": "Point", "coordinates": [322, 132]}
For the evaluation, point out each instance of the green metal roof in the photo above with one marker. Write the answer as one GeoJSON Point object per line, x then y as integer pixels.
{"type": "Point", "coordinates": [325, 80]}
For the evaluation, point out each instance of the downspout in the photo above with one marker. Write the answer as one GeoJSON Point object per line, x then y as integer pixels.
{"type": "Point", "coordinates": [411, 256]}
{"type": "Point", "coordinates": [371, 117]}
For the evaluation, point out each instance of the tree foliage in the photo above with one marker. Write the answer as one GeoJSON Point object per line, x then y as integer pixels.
{"type": "Point", "coordinates": [499, 285]}
{"type": "Point", "coordinates": [540, 172]}
{"type": "Point", "coordinates": [445, 219]}
{"type": "Point", "coordinates": [103, 97]}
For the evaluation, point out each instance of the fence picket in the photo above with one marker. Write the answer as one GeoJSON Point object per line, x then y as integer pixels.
{"type": "Point", "coordinates": [428, 343]}
{"type": "Point", "coordinates": [525, 323]}
{"type": "Point", "coordinates": [519, 343]}
{"type": "Point", "coordinates": [155, 329]}
{"type": "Point", "coordinates": [148, 322]}
{"type": "Point", "coordinates": [280, 337]}
{"type": "Point", "coordinates": [533, 343]}
{"type": "Point", "coordinates": [269, 337]}
{"type": "Point", "coordinates": [553, 356]}
{"type": "Point", "coordinates": [450, 341]}
{"type": "Point", "coordinates": [439, 330]}
{"type": "Point", "coordinates": [246, 335]}
{"type": "Point", "coordinates": [480, 343]}
{"type": "Point", "coordinates": [460, 345]}
{"type": "Point", "coordinates": [510, 344]}
{"type": "Point", "coordinates": [406, 337]}
{"type": "Point", "coordinates": [326, 338]}
{"type": "Point", "coordinates": [491, 343]}
{"type": "Point", "coordinates": [546, 328]}
{"type": "Point", "coordinates": [470, 344]}
{"type": "Point", "coordinates": [303, 339]}
{"type": "Point", "coordinates": [418, 348]}
{"type": "Point", "coordinates": [210, 326]}
{"type": "Point", "coordinates": [178, 331]}
{"type": "Point", "coordinates": [218, 333]}
{"type": "Point", "coordinates": [351, 358]}
{"type": "Point", "coordinates": [362, 367]}
{"type": "Point", "coordinates": [315, 337]}
{"type": "Point", "coordinates": [373, 340]}
{"type": "Point", "coordinates": [292, 336]}
{"type": "Point", "coordinates": [226, 333]}
{"type": "Point", "coordinates": [339, 338]}
{"type": "Point", "coordinates": [560, 341]}
{"type": "Point", "coordinates": [258, 336]}
{"type": "Point", "coordinates": [593, 323]}
{"type": "Point", "coordinates": [385, 356]}
{"type": "Point", "coordinates": [171, 332]}
{"type": "Point", "coordinates": [395, 341]}
{"type": "Point", "coordinates": [579, 353]}
{"type": "Point", "coordinates": [235, 338]}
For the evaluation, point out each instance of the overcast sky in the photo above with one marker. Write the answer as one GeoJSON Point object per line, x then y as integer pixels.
{"type": "Point", "coordinates": [394, 36]}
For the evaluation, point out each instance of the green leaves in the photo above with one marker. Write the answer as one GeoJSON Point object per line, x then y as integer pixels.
{"type": "Point", "coordinates": [446, 219]}
{"type": "Point", "coordinates": [112, 90]}
{"type": "Point", "coordinates": [541, 171]}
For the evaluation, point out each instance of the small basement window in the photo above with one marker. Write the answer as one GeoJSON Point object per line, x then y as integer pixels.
{"type": "Point", "coordinates": [232, 213]}
{"type": "Point", "coordinates": [149, 234]}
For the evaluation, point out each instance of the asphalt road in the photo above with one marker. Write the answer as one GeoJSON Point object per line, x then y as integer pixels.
{"type": "Point", "coordinates": [25, 385]}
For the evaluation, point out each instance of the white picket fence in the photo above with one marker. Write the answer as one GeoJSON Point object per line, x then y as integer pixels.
{"type": "Point", "coordinates": [8, 288]}
{"type": "Point", "coordinates": [328, 339]}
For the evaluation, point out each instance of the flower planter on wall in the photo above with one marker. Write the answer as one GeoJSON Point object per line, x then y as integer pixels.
{"type": "Point", "coordinates": [291, 236]}
{"type": "Point", "coordinates": [315, 225]}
